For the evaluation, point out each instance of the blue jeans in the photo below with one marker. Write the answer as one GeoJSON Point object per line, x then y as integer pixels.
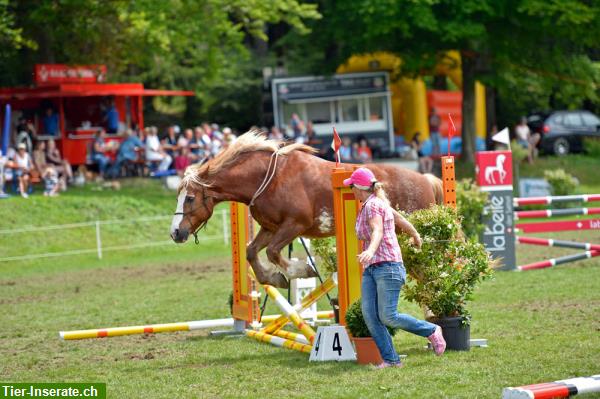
{"type": "Point", "coordinates": [102, 161]}
{"type": "Point", "coordinates": [381, 284]}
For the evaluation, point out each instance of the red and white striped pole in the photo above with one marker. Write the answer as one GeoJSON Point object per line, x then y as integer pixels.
{"type": "Point", "coordinates": [548, 242]}
{"type": "Point", "coordinates": [548, 213]}
{"type": "Point", "coordinates": [557, 261]}
{"type": "Point", "coordinates": [562, 198]}
{"type": "Point", "coordinates": [556, 389]}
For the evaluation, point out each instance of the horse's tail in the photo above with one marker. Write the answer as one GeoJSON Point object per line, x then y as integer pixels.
{"type": "Point", "coordinates": [438, 189]}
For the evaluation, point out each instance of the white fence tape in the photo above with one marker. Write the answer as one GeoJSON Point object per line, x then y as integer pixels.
{"type": "Point", "coordinates": [99, 248]}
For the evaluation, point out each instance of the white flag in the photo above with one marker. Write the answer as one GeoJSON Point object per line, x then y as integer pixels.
{"type": "Point", "coordinates": [502, 137]}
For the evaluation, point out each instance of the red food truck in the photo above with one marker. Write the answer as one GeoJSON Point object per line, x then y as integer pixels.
{"type": "Point", "coordinates": [78, 95]}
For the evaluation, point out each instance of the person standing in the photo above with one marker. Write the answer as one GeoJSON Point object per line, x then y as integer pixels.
{"type": "Point", "coordinates": [50, 123]}
{"type": "Point", "coordinates": [526, 139]}
{"type": "Point", "coordinates": [112, 118]}
{"type": "Point", "coordinates": [346, 153]}
{"type": "Point", "coordinates": [383, 271]}
{"type": "Point", "coordinates": [425, 161]}
{"type": "Point", "coordinates": [434, 131]}
{"type": "Point", "coordinates": [297, 126]}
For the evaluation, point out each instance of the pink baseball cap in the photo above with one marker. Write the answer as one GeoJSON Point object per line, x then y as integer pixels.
{"type": "Point", "coordinates": [361, 178]}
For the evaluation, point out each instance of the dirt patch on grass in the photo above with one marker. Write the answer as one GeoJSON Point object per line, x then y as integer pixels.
{"type": "Point", "coordinates": [45, 288]}
{"type": "Point", "coordinates": [544, 306]}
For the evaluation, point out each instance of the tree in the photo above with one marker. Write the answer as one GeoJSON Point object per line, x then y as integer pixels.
{"type": "Point", "coordinates": [191, 44]}
{"type": "Point", "coordinates": [548, 39]}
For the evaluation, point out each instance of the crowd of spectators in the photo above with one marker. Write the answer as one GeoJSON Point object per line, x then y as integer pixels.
{"type": "Point", "coordinates": [162, 154]}
{"type": "Point", "coordinates": [145, 151]}
{"type": "Point", "coordinates": [25, 163]}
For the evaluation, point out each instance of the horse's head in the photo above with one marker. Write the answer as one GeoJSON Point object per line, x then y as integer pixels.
{"type": "Point", "coordinates": [194, 208]}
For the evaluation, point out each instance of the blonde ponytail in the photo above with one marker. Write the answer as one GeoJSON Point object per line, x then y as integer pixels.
{"type": "Point", "coordinates": [380, 192]}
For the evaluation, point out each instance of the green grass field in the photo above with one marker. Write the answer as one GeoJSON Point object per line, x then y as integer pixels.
{"type": "Point", "coordinates": [541, 325]}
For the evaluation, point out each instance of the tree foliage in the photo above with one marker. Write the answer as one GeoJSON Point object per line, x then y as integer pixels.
{"type": "Point", "coordinates": [521, 47]}
{"type": "Point", "coordinates": [191, 44]}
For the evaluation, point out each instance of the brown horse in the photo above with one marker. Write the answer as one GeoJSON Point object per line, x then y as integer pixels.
{"type": "Point", "coordinates": [294, 199]}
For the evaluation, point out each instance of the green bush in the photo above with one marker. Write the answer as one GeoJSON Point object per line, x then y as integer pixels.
{"type": "Point", "coordinates": [592, 146]}
{"type": "Point", "coordinates": [470, 201]}
{"type": "Point", "coordinates": [447, 268]}
{"type": "Point", "coordinates": [324, 249]}
{"type": "Point", "coordinates": [519, 154]}
{"type": "Point", "coordinates": [562, 183]}
{"type": "Point", "coordinates": [356, 323]}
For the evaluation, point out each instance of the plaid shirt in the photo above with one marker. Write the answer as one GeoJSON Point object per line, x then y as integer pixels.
{"type": "Point", "coordinates": [388, 250]}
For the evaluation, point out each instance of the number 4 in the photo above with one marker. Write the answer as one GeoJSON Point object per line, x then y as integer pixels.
{"type": "Point", "coordinates": [336, 344]}
{"type": "Point", "coordinates": [317, 343]}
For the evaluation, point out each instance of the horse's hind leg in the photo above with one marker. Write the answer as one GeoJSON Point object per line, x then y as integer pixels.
{"type": "Point", "coordinates": [264, 274]}
{"type": "Point", "coordinates": [286, 233]}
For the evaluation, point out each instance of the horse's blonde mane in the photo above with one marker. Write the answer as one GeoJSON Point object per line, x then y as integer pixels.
{"type": "Point", "coordinates": [253, 140]}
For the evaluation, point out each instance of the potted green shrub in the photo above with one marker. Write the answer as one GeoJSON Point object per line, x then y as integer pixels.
{"type": "Point", "coordinates": [445, 271]}
{"type": "Point", "coordinates": [366, 350]}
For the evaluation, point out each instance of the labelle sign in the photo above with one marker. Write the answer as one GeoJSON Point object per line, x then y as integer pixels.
{"type": "Point", "coordinates": [494, 175]}
{"type": "Point", "coordinates": [50, 74]}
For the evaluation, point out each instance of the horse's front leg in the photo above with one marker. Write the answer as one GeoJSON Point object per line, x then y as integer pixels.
{"type": "Point", "coordinates": [286, 233]}
{"type": "Point", "coordinates": [265, 274]}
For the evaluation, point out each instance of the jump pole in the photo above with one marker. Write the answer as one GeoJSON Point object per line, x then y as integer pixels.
{"type": "Point", "coordinates": [547, 242]}
{"type": "Point", "coordinates": [548, 213]}
{"type": "Point", "coordinates": [245, 298]}
{"type": "Point", "coordinates": [168, 327]}
{"type": "Point", "coordinates": [557, 261]}
{"type": "Point", "coordinates": [561, 225]}
{"type": "Point", "coordinates": [559, 198]}
{"type": "Point", "coordinates": [557, 389]}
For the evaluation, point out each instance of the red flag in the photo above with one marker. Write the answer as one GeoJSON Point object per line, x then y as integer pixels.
{"type": "Point", "coordinates": [451, 131]}
{"type": "Point", "coordinates": [335, 145]}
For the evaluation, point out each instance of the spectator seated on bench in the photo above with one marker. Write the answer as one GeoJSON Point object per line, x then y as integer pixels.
{"type": "Point", "coordinates": [99, 157]}
{"type": "Point", "coordinates": [155, 152]}
{"type": "Point", "coordinates": [128, 153]}
{"type": "Point", "coordinates": [22, 169]}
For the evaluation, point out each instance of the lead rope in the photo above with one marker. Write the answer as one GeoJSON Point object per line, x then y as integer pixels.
{"type": "Point", "coordinates": [268, 177]}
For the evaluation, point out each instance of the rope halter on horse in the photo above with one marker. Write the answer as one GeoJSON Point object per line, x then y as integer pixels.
{"type": "Point", "coordinates": [187, 215]}
{"type": "Point", "coordinates": [268, 176]}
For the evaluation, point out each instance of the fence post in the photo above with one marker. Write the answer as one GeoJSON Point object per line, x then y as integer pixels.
{"type": "Point", "coordinates": [98, 241]}
{"type": "Point", "coordinates": [225, 227]}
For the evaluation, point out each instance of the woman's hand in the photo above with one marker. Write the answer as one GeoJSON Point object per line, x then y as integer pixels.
{"type": "Point", "coordinates": [365, 257]}
{"type": "Point", "coordinates": [416, 240]}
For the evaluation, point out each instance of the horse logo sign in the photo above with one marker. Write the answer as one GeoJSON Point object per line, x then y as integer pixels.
{"type": "Point", "coordinates": [498, 169]}
{"type": "Point", "coordinates": [494, 175]}
{"type": "Point", "coordinates": [494, 168]}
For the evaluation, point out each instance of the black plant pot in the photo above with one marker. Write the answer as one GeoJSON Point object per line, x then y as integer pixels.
{"type": "Point", "coordinates": [456, 334]}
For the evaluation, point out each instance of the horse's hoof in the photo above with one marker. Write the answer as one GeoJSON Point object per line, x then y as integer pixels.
{"type": "Point", "coordinates": [279, 280]}
{"type": "Point", "coordinates": [311, 272]}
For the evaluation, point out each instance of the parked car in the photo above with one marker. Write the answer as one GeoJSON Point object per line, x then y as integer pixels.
{"type": "Point", "coordinates": [562, 132]}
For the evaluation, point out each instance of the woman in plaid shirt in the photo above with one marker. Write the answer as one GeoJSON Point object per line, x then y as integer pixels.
{"type": "Point", "coordinates": [383, 271]}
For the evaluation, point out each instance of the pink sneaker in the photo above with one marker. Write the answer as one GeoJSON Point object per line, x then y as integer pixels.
{"type": "Point", "coordinates": [437, 341]}
{"type": "Point", "coordinates": [385, 365]}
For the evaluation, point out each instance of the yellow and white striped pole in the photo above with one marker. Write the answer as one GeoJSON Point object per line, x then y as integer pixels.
{"type": "Point", "coordinates": [277, 341]}
{"type": "Point", "coordinates": [306, 302]}
{"type": "Point", "coordinates": [292, 336]}
{"type": "Point", "coordinates": [148, 329]}
{"type": "Point", "coordinates": [291, 313]}
{"type": "Point", "coordinates": [167, 327]}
